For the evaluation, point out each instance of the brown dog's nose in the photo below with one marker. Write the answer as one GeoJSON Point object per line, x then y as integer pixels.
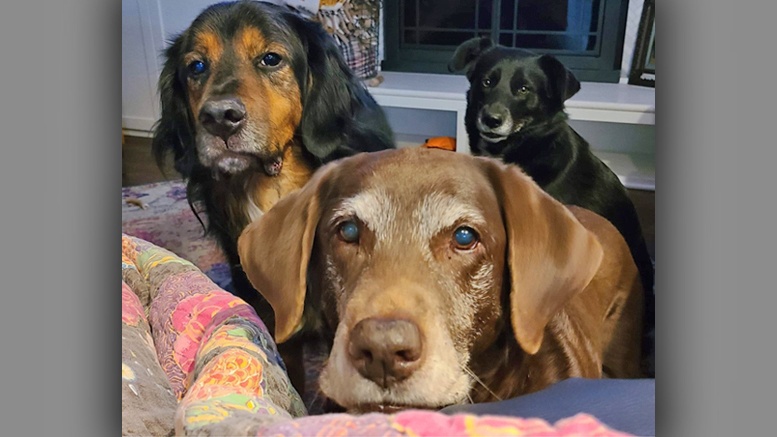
{"type": "Point", "coordinates": [223, 117]}
{"type": "Point", "coordinates": [385, 351]}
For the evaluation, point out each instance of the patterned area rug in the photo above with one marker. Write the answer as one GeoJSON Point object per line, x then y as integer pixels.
{"type": "Point", "coordinates": [160, 214]}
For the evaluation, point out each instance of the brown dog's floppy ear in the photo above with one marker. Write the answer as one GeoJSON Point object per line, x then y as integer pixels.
{"type": "Point", "coordinates": [551, 257]}
{"type": "Point", "coordinates": [275, 250]}
{"type": "Point", "coordinates": [467, 53]}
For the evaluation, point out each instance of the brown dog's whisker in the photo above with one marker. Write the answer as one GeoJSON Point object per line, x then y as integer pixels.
{"type": "Point", "coordinates": [475, 377]}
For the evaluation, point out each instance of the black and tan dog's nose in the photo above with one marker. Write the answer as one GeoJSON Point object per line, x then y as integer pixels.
{"type": "Point", "coordinates": [223, 117]}
{"type": "Point", "coordinates": [385, 351]}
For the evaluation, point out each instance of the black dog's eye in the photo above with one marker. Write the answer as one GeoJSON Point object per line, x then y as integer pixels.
{"type": "Point", "coordinates": [349, 232]}
{"type": "Point", "coordinates": [487, 82]}
{"type": "Point", "coordinates": [465, 238]}
{"type": "Point", "coordinates": [196, 68]}
{"type": "Point", "coordinates": [524, 89]}
{"type": "Point", "coordinates": [270, 59]}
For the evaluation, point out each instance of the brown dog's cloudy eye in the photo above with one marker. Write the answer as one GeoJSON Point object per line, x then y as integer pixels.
{"type": "Point", "coordinates": [465, 238]}
{"type": "Point", "coordinates": [349, 232]}
{"type": "Point", "coordinates": [271, 59]}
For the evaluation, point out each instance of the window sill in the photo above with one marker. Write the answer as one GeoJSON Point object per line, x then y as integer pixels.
{"type": "Point", "coordinates": [607, 102]}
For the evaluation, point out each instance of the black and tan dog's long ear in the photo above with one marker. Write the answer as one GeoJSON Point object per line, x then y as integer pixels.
{"type": "Point", "coordinates": [330, 90]}
{"type": "Point", "coordinates": [467, 53]}
{"type": "Point", "coordinates": [275, 251]}
{"type": "Point", "coordinates": [562, 84]}
{"type": "Point", "coordinates": [174, 130]}
{"type": "Point", "coordinates": [550, 255]}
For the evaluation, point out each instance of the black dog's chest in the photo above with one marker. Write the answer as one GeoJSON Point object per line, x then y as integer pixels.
{"type": "Point", "coordinates": [491, 150]}
{"type": "Point", "coordinates": [546, 159]}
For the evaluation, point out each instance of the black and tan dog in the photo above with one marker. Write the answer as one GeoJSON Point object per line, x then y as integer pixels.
{"type": "Point", "coordinates": [515, 112]}
{"type": "Point", "coordinates": [254, 99]}
{"type": "Point", "coordinates": [441, 278]}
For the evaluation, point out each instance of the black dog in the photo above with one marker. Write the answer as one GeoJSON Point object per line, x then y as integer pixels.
{"type": "Point", "coordinates": [515, 111]}
{"type": "Point", "coordinates": [254, 99]}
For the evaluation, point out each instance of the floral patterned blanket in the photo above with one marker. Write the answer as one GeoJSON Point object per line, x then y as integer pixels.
{"type": "Point", "coordinates": [196, 360]}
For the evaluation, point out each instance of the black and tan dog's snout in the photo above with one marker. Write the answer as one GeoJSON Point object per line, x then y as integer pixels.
{"type": "Point", "coordinates": [386, 350]}
{"type": "Point", "coordinates": [223, 117]}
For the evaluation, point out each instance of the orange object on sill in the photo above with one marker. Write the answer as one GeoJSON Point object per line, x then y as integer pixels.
{"type": "Point", "coordinates": [445, 143]}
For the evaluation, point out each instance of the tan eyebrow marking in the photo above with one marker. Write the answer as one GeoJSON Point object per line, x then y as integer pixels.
{"type": "Point", "coordinates": [209, 44]}
{"type": "Point", "coordinates": [249, 43]}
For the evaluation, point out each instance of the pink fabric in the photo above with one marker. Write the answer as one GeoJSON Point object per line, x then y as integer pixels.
{"type": "Point", "coordinates": [426, 423]}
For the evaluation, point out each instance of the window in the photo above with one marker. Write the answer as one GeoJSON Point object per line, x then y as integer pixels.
{"type": "Point", "coordinates": [586, 35]}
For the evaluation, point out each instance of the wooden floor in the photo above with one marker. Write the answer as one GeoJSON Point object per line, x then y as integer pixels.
{"type": "Point", "coordinates": [139, 167]}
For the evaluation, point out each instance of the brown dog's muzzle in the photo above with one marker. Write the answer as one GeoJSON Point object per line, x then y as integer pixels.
{"type": "Point", "coordinates": [385, 350]}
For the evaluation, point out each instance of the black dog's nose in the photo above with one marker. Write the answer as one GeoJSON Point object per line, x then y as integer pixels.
{"type": "Point", "coordinates": [223, 117]}
{"type": "Point", "coordinates": [385, 351]}
{"type": "Point", "coordinates": [492, 120]}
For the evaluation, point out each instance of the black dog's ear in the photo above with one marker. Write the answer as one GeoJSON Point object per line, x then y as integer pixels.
{"type": "Point", "coordinates": [174, 132]}
{"type": "Point", "coordinates": [562, 84]}
{"type": "Point", "coordinates": [467, 53]}
{"type": "Point", "coordinates": [329, 90]}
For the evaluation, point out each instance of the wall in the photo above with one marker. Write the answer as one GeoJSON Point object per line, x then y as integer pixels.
{"type": "Point", "coordinates": [632, 27]}
{"type": "Point", "coordinates": [139, 71]}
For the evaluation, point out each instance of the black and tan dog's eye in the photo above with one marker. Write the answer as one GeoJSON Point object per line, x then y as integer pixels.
{"type": "Point", "coordinates": [524, 89]}
{"type": "Point", "coordinates": [465, 238]}
{"type": "Point", "coordinates": [487, 82]}
{"type": "Point", "coordinates": [196, 68]}
{"type": "Point", "coordinates": [270, 59]}
{"type": "Point", "coordinates": [349, 232]}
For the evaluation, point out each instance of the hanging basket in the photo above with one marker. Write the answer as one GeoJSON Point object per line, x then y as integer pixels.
{"type": "Point", "coordinates": [355, 26]}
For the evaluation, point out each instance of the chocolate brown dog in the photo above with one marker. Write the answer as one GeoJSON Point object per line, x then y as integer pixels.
{"type": "Point", "coordinates": [444, 278]}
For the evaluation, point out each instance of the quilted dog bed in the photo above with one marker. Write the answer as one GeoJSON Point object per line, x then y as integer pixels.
{"type": "Point", "coordinates": [160, 214]}
{"type": "Point", "coordinates": [196, 360]}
